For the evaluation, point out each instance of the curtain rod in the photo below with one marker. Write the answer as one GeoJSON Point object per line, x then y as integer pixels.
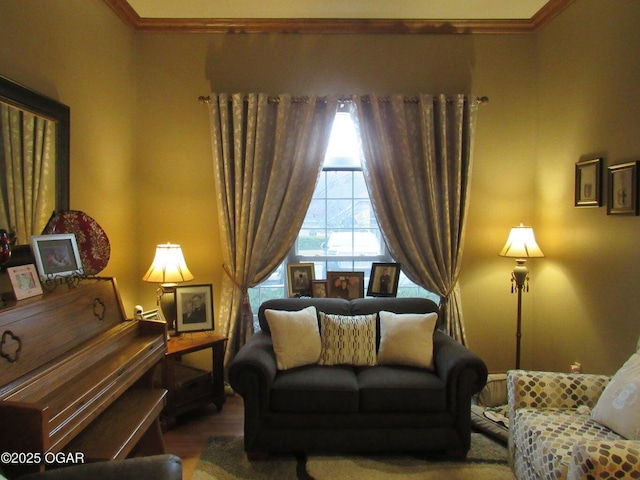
{"type": "Point", "coordinates": [480, 100]}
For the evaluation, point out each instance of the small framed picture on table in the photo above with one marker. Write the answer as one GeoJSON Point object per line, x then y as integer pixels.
{"type": "Point", "coordinates": [300, 277]}
{"type": "Point", "coordinates": [347, 285]}
{"type": "Point", "coordinates": [56, 255]}
{"type": "Point", "coordinates": [25, 281]}
{"type": "Point", "coordinates": [194, 306]}
{"type": "Point", "coordinates": [383, 281]}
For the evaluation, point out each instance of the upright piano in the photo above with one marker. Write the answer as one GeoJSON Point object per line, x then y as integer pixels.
{"type": "Point", "coordinates": [76, 379]}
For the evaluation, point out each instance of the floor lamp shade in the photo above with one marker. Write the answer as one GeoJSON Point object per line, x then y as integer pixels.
{"type": "Point", "coordinates": [520, 245]}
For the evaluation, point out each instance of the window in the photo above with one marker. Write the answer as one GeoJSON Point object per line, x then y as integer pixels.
{"type": "Point", "coordinates": [340, 231]}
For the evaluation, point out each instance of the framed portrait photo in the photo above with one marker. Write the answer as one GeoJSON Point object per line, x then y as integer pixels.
{"type": "Point", "coordinates": [347, 285]}
{"type": "Point", "coordinates": [319, 288]}
{"type": "Point", "coordinates": [25, 281]}
{"type": "Point", "coordinates": [194, 306]}
{"type": "Point", "coordinates": [588, 191]}
{"type": "Point", "coordinates": [622, 186]}
{"type": "Point", "coordinates": [383, 281]}
{"type": "Point", "coordinates": [56, 255]}
{"type": "Point", "coordinates": [299, 278]}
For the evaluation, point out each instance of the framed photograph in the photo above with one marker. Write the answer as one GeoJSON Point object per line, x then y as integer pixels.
{"type": "Point", "coordinates": [299, 278]}
{"type": "Point", "coordinates": [194, 306]}
{"type": "Point", "coordinates": [319, 288]}
{"type": "Point", "coordinates": [56, 255]}
{"type": "Point", "coordinates": [383, 281]}
{"type": "Point", "coordinates": [347, 285]}
{"type": "Point", "coordinates": [622, 186]}
{"type": "Point", "coordinates": [25, 281]}
{"type": "Point", "coordinates": [589, 183]}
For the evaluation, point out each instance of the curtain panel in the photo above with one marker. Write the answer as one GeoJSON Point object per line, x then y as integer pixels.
{"type": "Point", "coordinates": [417, 166]}
{"type": "Point", "coordinates": [267, 156]}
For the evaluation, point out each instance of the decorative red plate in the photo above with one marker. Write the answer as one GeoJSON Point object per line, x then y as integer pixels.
{"type": "Point", "coordinates": [93, 244]}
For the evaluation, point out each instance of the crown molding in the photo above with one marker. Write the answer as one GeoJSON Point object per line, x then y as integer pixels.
{"type": "Point", "coordinates": [336, 26]}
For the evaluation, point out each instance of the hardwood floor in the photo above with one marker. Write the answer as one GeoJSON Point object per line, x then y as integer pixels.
{"type": "Point", "coordinates": [188, 437]}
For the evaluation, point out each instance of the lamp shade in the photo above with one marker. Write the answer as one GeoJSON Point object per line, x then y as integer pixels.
{"type": "Point", "coordinates": [521, 244]}
{"type": "Point", "coordinates": [169, 266]}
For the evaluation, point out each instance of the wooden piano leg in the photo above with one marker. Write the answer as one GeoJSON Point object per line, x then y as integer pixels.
{"type": "Point", "coordinates": [152, 442]}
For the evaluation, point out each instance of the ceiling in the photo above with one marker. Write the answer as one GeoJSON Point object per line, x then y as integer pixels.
{"type": "Point", "coordinates": [338, 16]}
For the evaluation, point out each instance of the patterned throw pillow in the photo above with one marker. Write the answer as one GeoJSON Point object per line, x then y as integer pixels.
{"type": "Point", "coordinates": [348, 339]}
{"type": "Point", "coordinates": [618, 407]}
{"type": "Point", "coordinates": [407, 339]}
{"type": "Point", "coordinates": [295, 336]}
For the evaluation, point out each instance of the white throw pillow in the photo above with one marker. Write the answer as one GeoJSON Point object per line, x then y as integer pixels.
{"type": "Point", "coordinates": [348, 339]}
{"type": "Point", "coordinates": [618, 407]}
{"type": "Point", "coordinates": [295, 335]}
{"type": "Point", "coordinates": [407, 339]}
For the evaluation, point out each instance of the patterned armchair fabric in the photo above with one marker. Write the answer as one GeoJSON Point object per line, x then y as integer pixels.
{"type": "Point", "coordinates": [552, 435]}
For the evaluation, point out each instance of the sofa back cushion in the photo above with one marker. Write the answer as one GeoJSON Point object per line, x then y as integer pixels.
{"type": "Point", "coordinates": [359, 306]}
{"type": "Point", "coordinates": [296, 339]}
{"type": "Point", "coordinates": [348, 339]}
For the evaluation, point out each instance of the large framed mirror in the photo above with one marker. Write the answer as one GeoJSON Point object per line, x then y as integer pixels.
{"type": "Point", "coordinates": [34, 159]}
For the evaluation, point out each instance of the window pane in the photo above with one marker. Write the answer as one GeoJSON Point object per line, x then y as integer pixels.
{"type": "Point", "coordinates": [311, 242]}
{"type": "Point", "coordinates": [316, 215]}
{"type": "Point", "coordinates": [363, 215]}
{"type": "Point", "coordinates": [339, 184]}
{"type": "Point", "coordinates": [339, 214]}
{"type": "Point", "coordinates": [359, 186]}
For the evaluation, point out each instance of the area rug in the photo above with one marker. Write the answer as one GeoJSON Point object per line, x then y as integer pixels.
{"type": "Point", "coordinates": [223, 458]}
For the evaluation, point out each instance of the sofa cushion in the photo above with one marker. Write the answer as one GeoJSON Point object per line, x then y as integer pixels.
{"type": "Point", "coordinates": [327, 305]}
{"type": "Point", "coordinates": [545, 438]}
{"type": "Point", "coordinates": [400, 389]}
{"type": "Point", "coordinates": [296, 337]}
{"type": "Point", "coordinates": [619, 405]}
{"type": "Point", "coordinates": [407, 339]}
{"type": "Point", "coordinates": [348, 339]}
{"type": "Point", "coordinates": [315, 389]}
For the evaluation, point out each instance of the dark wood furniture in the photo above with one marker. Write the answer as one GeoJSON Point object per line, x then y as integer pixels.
{"type": "Point", "coordinates": [188, 387]}
{"type": "Point", "coordinates": [76, 377]}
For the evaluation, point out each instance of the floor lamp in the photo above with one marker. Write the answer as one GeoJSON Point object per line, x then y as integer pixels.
{"type": "Point", "coordinates": [520, 245]}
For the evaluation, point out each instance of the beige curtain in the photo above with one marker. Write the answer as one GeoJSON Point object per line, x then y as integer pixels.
{"type": "Point", "coordinates": [267, 155]}
{"type": "Point", "coordinates": [27, 193]}
{"type": "Point", "coordinates": [417, 165]}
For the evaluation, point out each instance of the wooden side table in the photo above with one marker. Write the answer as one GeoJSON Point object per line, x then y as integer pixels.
{"type": "Point", "coordinates": [187, 387]}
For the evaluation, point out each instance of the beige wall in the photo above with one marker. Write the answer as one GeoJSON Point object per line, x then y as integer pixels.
{"type": "Point", "coordinates": [141, 163]}
{"type": "Point", "coordinates": [586, 304]}
{"type": "Point", "coordinates": [78, 53]}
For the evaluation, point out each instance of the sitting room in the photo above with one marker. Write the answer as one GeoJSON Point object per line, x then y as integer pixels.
{"type": "Point", "coordinates": [537, 111]}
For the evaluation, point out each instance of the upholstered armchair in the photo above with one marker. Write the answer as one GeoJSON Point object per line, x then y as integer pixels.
{"type": "Point", "coordinates": [575, 426]}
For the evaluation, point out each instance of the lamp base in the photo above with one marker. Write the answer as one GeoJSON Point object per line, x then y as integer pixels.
{"type": "Point", "coordinates": [167, 303]}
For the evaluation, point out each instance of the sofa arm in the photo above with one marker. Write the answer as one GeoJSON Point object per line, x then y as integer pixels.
{"type": "Point", "coordinates": [254, 365]}
{"type": "Point", "coordinates": [156, 467]}
{"type": "Point", "coordinates": [533, 389]}
{"type": "Point", "coordinates": [604, 459]}
{"type": "Point", "coordinates": [462, 370]}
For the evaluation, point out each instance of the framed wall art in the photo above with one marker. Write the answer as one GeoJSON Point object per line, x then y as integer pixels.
{"type": "Point", "coordinates": [299, 278]}
{"type": "Point", "coordinates": [194, 307]}
{"type": "Point", "coordinates": [56, 255]}
{"type": "Point", "coordinates": [347, 285]}
{"type": "Point", "coordinates": [588, 189]}
{"type": "Point", "coordinates": [383, 281]}
{"type": "Point", "coordinates": [622, 189]}
{"type": "Point", "coordinates": [25, 281]}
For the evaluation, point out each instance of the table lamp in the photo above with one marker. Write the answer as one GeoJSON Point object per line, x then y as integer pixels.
{"type": "Point", "coordinates": [168, 269]}
{"type": "Point", "coordinates": [520, 245]}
